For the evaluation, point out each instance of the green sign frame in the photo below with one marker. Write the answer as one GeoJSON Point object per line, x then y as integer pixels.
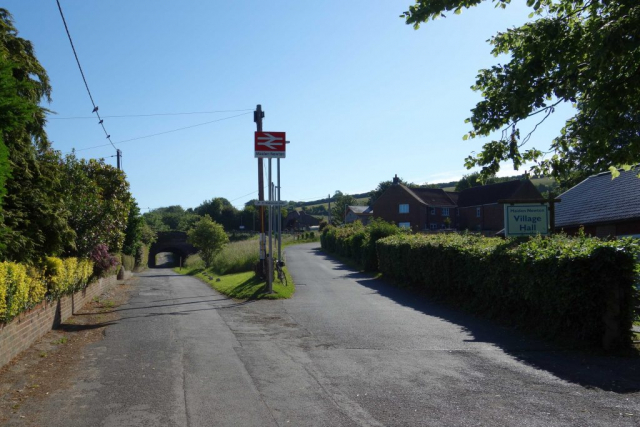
{"type": "Point", "coordinates": [526, 219]}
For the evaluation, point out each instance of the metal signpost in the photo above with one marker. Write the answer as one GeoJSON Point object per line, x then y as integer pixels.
{"type": "Point", "coordinates": [271, 145]}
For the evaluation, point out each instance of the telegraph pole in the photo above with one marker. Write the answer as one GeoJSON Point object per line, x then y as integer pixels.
{"type": "Point", "coordinates": [258, 115]}
{"type": "Point", "coordinates": [329, 209]}
{"type": "Point", "coordinates": [119, 157]}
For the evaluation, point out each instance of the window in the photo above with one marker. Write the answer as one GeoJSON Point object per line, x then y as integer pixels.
{"type": "Point", "coordinates": [445, 211]}
{"type": "Point", "coordinates": [433, 226]}
{"type": "Point", "coordinates": [433, 211]}
{"type": "Point", "coordinates": [403, 208]}
{"type": "Point", "coordinates": [404, 224]}
{"type": "Point", "coordinates": [478, 213]}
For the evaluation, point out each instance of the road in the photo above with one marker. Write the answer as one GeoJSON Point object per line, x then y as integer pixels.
{"type": "Point", "coordinates": [347, 350]}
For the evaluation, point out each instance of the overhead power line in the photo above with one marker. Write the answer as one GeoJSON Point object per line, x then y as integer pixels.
{"type": "Point", "coordinates": [151, 115]}
{"type": "Point", "coordinates": [165, 132]}
{"type": "Point", "coordinates": [86, 85]}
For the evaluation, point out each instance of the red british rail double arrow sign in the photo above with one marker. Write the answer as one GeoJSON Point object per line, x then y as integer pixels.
{"type": "Point", "coordinates": [270, 144]}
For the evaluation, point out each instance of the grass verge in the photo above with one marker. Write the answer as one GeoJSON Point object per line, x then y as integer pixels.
{"type": "Point", "coordinates": [241, 285]}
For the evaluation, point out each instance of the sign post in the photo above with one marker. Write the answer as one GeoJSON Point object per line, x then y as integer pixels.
{"type": "Point", "coordinates": [270, 145]}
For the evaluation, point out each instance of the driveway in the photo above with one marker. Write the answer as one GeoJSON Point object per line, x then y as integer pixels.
{"type": "Point", "coordinates": [347, 350]}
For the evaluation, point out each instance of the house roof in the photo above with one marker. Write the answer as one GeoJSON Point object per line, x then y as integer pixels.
{"type": "Point", "coordinates": [453, 195]}
{"type": "Point", "coordinates": [599, 199]}
{"type": "Point", "coordinates": [430, 196]}
{"type": "Point", "coordinates": [488, 194]}
{"type": "Point", "coordinates": [365, 210]}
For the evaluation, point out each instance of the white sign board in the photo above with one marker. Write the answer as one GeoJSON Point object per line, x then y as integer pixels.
{"type": "Point", "coordinates": [269, 203]}
{"type": "Point", "coordinates": [526, 219]}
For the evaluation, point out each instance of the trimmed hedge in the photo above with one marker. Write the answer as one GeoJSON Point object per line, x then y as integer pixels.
{"type": "Point", "coordinates": [561, 287]}
{"type": "Point", "coordinates": [66, 276]}
{"type": "Point", "coordinates": [357, 242]}
{"type": "Point", "coordinates": [22, 287]}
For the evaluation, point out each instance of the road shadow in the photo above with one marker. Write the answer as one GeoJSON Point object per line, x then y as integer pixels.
{"type": "Point", "coordinates": [592, 370]}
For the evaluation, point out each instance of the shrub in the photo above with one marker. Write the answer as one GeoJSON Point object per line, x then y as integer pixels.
{"type": "Point", "coordinates": [357, 242]}
{"type": "Point", "coordinates": [37, 286]}
{"type": "Point", "coordinates": [557, 286]}
{"type": "Point", "coordinates": [103, 261]}
{"type": "Point", "coordinates": [128, 262]}
{"type": "Point", "coordinates": [141, 257]}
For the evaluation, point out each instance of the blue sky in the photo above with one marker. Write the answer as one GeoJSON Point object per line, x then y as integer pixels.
{"type": "Point", "coordinates": [361, 95]}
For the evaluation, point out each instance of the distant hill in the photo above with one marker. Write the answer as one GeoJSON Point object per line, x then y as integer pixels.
{"type": "Point", "coordinates": [319, 207]}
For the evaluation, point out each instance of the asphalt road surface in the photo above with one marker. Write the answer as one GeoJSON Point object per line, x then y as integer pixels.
{"type": "Point", "coordinates": [347, 350]}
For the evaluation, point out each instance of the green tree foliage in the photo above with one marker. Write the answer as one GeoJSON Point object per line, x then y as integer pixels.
{"type": "Point", "coordinates": [171, 218]}
{"type": "Point", "coordinates": [209, 237]}
{"type": "Point", "coordinates": [137, 233]}
{"type": "Point", "coordinates": [473, 180]}
{"type": "Point", "coordinates": [99, 203]}
{"type": "Point", "coordinates": [221, 211]}
{"type": "Point", "coordinates": [584, 52]}
{"type": "Point", "coordinates": [34, 219]}
{"type": "Point", "coordinates": [339, 207]}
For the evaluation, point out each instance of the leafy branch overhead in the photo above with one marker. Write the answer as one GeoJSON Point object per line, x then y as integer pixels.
{"type": "Point", "coordinates": [583, 52]}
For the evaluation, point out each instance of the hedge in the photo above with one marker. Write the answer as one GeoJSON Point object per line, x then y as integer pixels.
{"type": "Point", "coordinates": [22, 286]}
{"type": "Point", "coordinates": [561, 287]}
{"type": "Point", "coordinates": [357, 242]}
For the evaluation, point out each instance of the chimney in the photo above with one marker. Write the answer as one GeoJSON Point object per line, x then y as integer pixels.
{"type": "Point", "coordinates": [396, 180]}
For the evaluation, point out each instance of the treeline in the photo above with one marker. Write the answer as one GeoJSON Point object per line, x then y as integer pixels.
{"type": "Point", "coordinates": [176, 218]}
{"type": "Point", "coordinates": [63, 220]}
{"type": "Point", "coordinates": [52, 205]}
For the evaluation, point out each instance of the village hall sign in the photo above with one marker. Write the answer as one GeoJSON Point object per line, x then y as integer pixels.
{"type": "Point", "coordinates": [526, 219]}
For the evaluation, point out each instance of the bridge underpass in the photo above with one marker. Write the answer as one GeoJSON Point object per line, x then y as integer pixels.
{"type": "Point", "coordinates": [169, 248]}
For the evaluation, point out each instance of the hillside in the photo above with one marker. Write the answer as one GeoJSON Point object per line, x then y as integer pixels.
{"type": "Point", "coordinates": [315, 207]}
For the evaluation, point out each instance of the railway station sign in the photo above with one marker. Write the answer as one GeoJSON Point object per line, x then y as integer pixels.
{"type": "Point", "coordinates": [526, 219]}
{"type": "Point", "coordinates": [270, 144]}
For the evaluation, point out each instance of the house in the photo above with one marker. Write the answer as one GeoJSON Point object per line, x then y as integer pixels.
{"type": "Point", "coordinates": [603, 206]}
{"type": "Point", "coordinates": [358, 213]}
{"type": "Point", "coordinates": [300, 220]}
{"type": "Point", "coordinates": [479, 208]}
{"type": "Point", "coordinates": [416, 208]}
{"type": "Point", "coordinates": [476, 208]}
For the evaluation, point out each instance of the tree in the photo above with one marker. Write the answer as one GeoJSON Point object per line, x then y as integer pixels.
{"type": "Point", "coordinates": [339, 206]}
{"type": "Point", "coordinates": [34, 219]}
{"type": "Point", "coordinates": [209, 237]}
{"type": "Point", "coordinates": [583, 52]}
{"type": "Point", "coordinates": [99, 203]}
{"type": "Point", "coordinates": [473, 180]}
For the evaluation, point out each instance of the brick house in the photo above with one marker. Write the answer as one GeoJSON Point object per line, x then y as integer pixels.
{"type": "Point", "coordinates": [416, 208]}
{"type": "Point", "coordinates": [358, 213]}
{"type": "Point", "coordinates": [603, 206]}
{"type": "Point", "coordinates": [475, 209]}
{"type": "Point", "coordinates": [478, 207]}
{"type": "Point", "coordinates": [300, 220]}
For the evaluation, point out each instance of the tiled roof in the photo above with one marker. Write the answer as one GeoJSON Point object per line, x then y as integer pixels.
{"type": "Point", "coordinates": [487, 194]}
{"type": "Point", "coordinates": [599, 199]}
{"type": "Point", "coordinates": [433, 196]}
{"type": "Point", "coordinates": [361, 209]}
{"type": "Point", "coordinates": [453, 195]}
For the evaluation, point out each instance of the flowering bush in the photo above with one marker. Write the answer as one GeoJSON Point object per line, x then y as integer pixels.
{"type": "Point", "coordinates": [103, 261]}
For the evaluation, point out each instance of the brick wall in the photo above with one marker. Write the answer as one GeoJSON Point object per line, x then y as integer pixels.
{"type": "Point", "coordinates": [387, 208]}
{"type": "Point", "coordinates": [18, 335]}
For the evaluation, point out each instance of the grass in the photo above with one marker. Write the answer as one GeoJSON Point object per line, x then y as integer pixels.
{"type": "Point", "coordinates": [241, 285]}
{"type": "Point", "coordinates": [232, 271]}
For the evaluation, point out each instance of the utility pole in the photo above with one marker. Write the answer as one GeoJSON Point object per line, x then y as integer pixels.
{"type": "Point", "coordinates": [258, 115]}
{"type": "Point", "coordinates": [119, 157]}
{"type": "Point", "coordinates": [329, 209]}
{"type": "Point", "coordinates": [279, 216]}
